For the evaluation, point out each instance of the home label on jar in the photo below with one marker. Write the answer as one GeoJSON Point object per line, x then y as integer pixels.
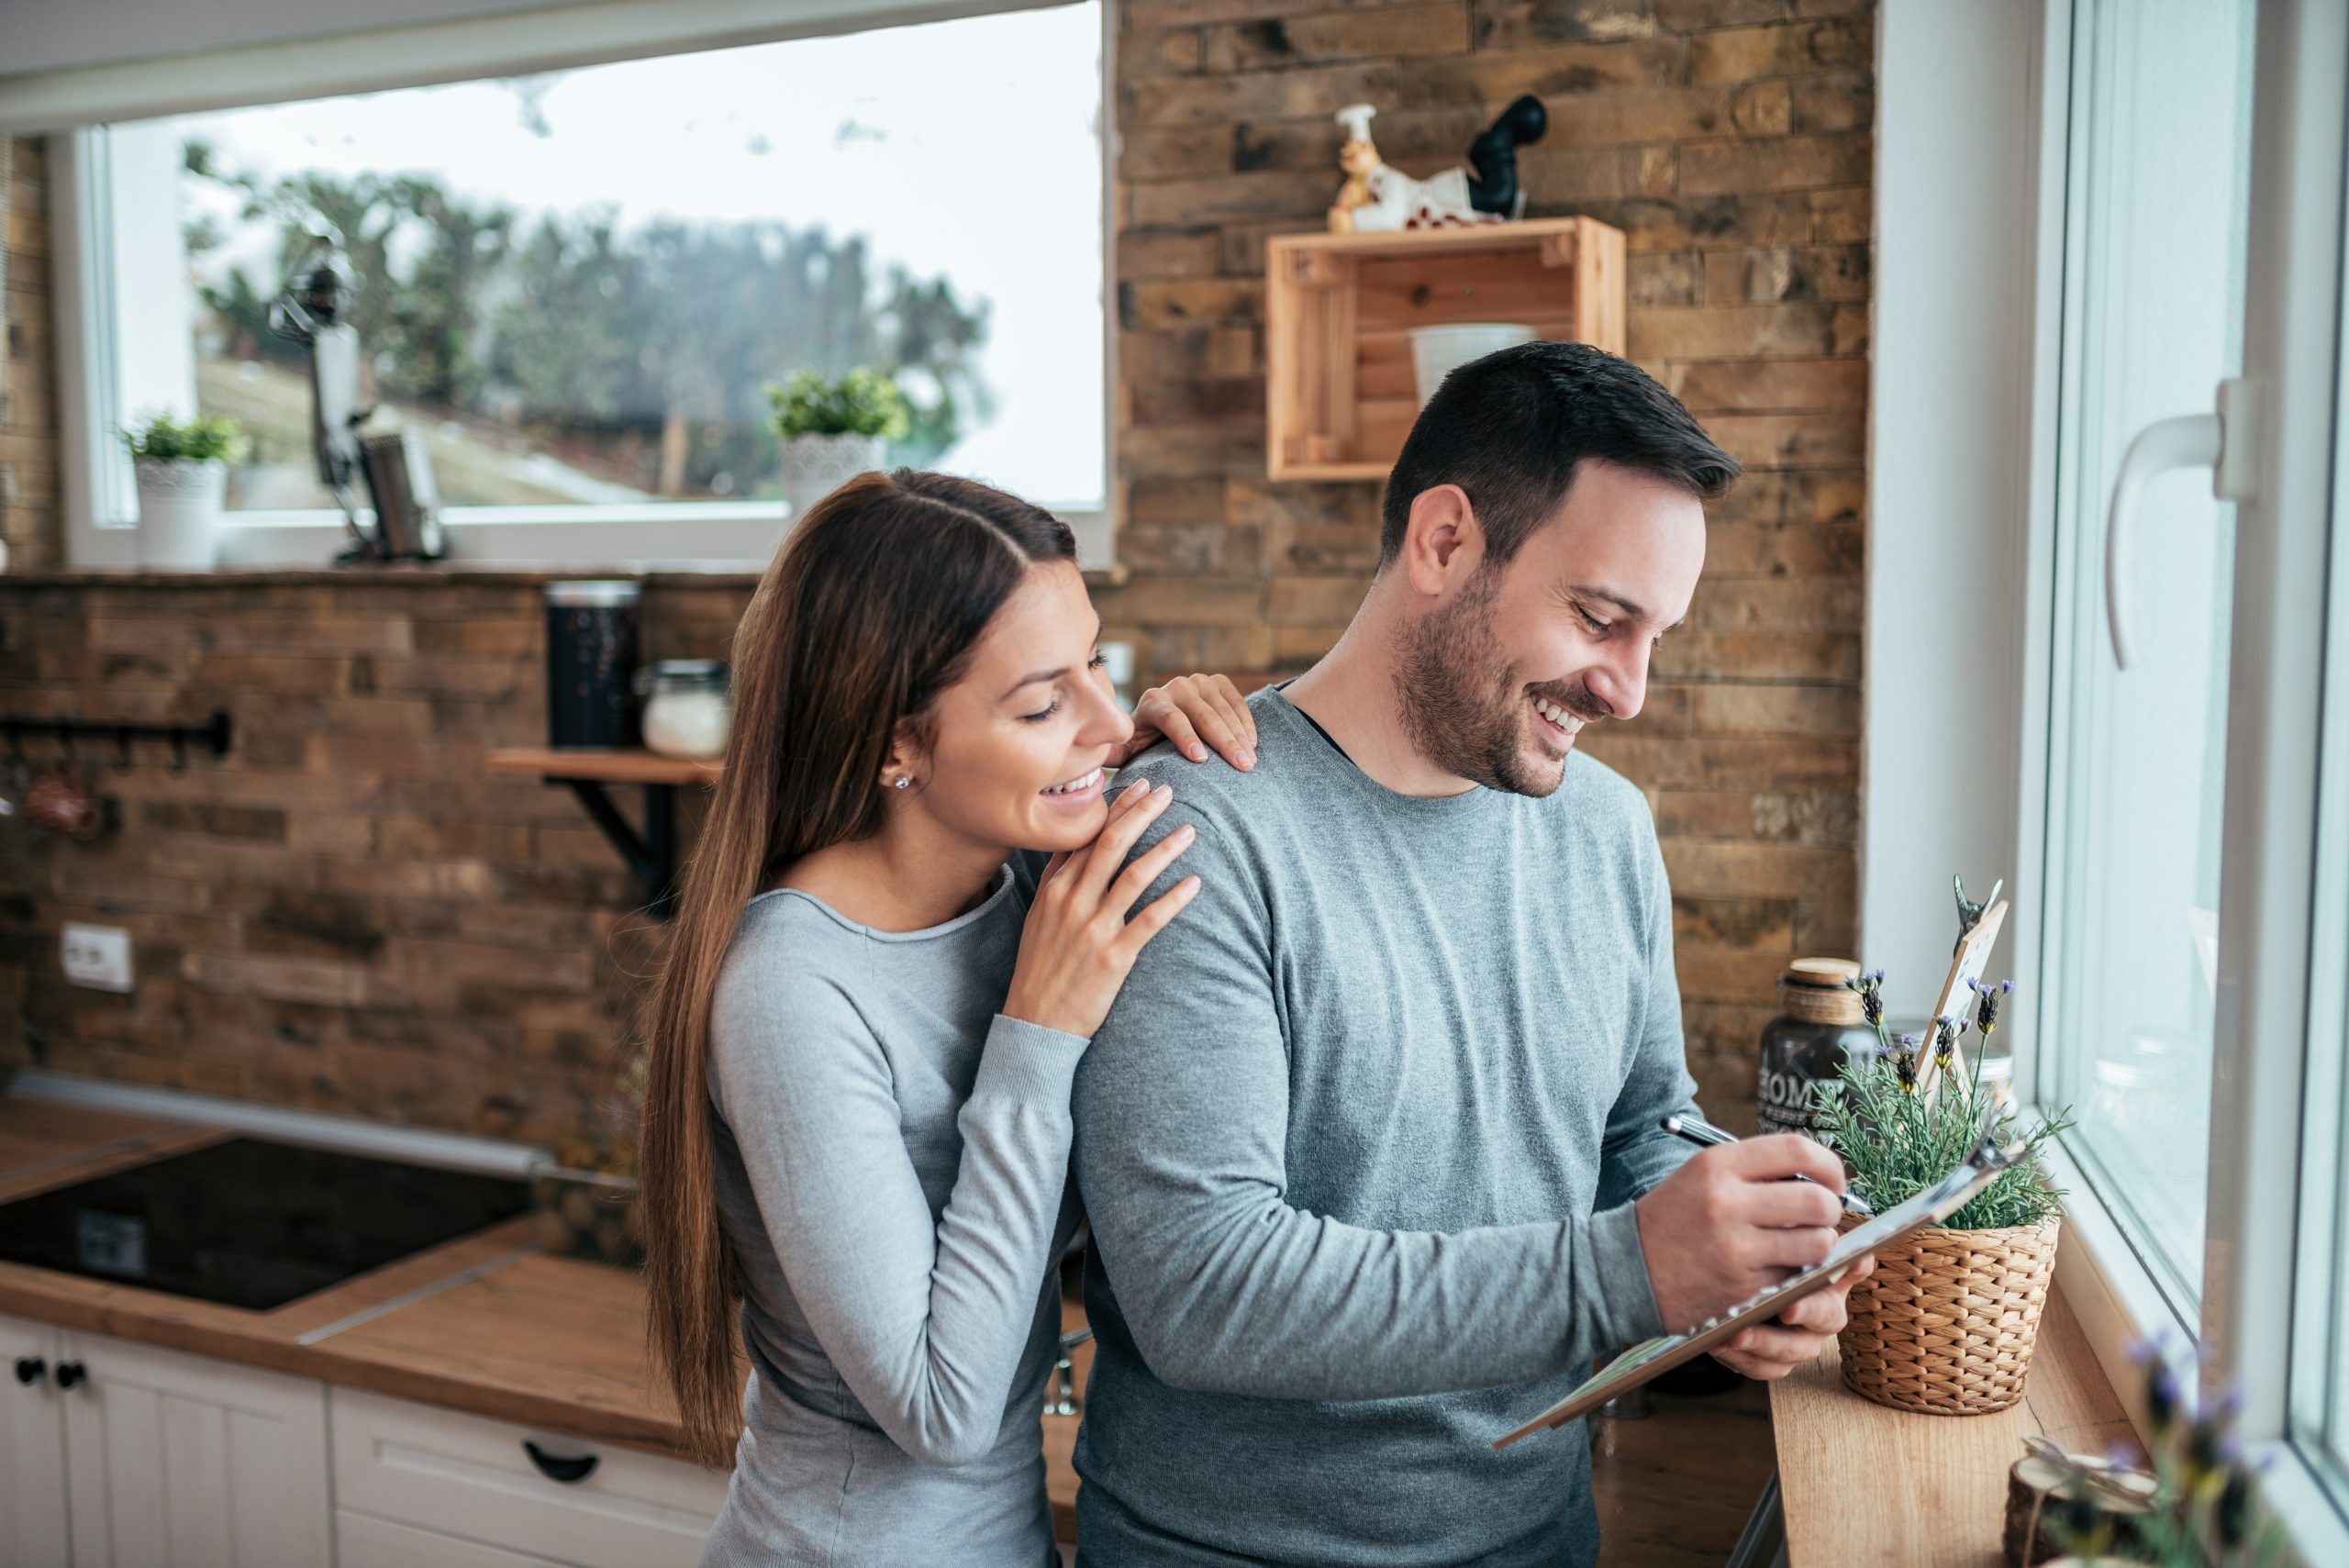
{"type": "Point", "coordinates": [1804, 1049]}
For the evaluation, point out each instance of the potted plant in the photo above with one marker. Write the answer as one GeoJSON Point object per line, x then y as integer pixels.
{"type": "Point", "coordinates": [834, 430]}
{"type": "Point", "coordinates": [1947, 1322]}
{"type": "Point", "coordinates": [2204, 1511]}
{"type": "Point", "coordinates": [182, 470]}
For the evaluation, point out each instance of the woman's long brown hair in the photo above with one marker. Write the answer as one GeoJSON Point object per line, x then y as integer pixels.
{"type": "Point", "coordinates": [868, 612]}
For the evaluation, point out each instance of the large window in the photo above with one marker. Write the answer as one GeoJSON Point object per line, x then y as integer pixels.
{"type": "Point", "coordinates": [2155, 234]}
{"type": "Point", "coordinates": [576, 284]}
{"type": "Point", "coordinates": [2194, 960]}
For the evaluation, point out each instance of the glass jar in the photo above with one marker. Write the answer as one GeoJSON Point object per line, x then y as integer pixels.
{"type": "Point", "coordinates": [688, 710]}
{"type": "Point", "coordinates": [1818, 1028]}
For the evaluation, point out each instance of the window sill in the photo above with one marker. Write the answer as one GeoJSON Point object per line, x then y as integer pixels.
{"type": "Point", "coordinates": [1860, 1483]}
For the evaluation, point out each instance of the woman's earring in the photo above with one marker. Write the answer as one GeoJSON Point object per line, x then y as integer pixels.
{"type": "Point", "coordinates": [903, 781]}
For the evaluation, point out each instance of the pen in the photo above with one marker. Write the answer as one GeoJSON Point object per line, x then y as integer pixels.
{"type": "Point", "coordinates": [1697, 1130]}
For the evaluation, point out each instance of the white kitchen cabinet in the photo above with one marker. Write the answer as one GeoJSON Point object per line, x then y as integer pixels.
{"type": "Point", "coordinates": [33, 1447]}
{"type": "Point", "coordinates": [455, 1485]}
{"type": "Point", "coordinates": [183, 1461]}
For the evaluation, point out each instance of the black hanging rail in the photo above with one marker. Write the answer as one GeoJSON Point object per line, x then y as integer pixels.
{"type": "Point", "coordinates": [213, 735]}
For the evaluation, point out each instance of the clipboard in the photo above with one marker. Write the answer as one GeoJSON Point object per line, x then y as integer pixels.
{"type": "Point", "coordinates": [1641, 1362]}
{"type": "Point", "coordinates": [1971, 961]}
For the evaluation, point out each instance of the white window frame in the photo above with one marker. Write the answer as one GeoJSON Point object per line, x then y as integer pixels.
{"type": "Point", "coordinates": [1953, 75]}
{"type": "Point", "coordinates": [97, 505]}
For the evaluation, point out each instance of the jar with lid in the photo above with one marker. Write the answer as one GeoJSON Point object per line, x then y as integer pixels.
{"type": "Point", "coordinates": [688, 709]}
{"type": "Point", "coordinates": [1818, 1027]}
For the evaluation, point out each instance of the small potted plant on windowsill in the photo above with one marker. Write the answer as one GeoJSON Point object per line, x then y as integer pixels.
{"type": "Point", "coordinates": [182, 469]}
{"type": "Point", "coordinates": [1947, 1322]}
{"type": "Point", "coordinates": [2204, 1511]}
{"type": "Point", "coordinates": [833, 430]}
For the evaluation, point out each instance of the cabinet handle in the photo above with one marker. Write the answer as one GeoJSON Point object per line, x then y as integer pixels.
{"type": "Point", "coordinates": [569, 1469]}
{"type": "Point", "coordinates": [30, 1370]}
{"type": "Point", "coordinates": [69, 1373]}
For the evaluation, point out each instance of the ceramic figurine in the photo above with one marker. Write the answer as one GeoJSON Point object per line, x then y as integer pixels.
{"type": "Point", "coordinates": [1379, 198]}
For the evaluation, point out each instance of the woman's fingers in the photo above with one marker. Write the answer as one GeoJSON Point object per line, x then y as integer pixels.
{"type": "Point", "coordinates": [1051, 867]}
{"type": "Point", "coordinates": [1243, 717]}
{"type": "Point", "coordinates": [1146, 868]}
{"type": "Point", "coordinates": [1155, 916]}
{"type": "Point", "coordinates": [1116, 840]}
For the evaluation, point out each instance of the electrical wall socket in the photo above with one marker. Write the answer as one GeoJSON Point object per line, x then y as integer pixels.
{"type": "Point", "coordinates": [96, 956]}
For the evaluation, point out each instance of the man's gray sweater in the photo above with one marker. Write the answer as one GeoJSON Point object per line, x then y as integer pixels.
{"type": "Point", "coordinates": [1358, 1142]}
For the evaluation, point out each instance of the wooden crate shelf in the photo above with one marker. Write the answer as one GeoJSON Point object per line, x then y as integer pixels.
{"type": "Point", "coordinates": [633, 766]}
{"type": "Point", "coordinates": [1339, 394]}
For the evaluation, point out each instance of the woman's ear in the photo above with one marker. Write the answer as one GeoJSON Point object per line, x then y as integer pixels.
{"type": "Point", "coordinates": [901, 768]}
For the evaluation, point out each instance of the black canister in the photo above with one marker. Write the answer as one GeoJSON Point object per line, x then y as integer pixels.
{"type": "Point", "coordinates": [591, 656]}
{"type": "Point", "coordinates": [1817, 1026]}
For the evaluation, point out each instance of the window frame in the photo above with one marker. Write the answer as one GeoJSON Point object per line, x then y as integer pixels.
{"type": "Point", "coordinates": [97, 506]}
{"type": "Point", "coordinates": [2271, 1015]}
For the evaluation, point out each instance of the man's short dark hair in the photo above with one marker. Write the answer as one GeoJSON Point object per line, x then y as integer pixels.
{"type": "Point", "coordinates": [1511, 430]}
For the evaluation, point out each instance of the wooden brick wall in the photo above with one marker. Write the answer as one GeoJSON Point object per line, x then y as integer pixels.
{"type": "Point", "coordinates": [1730, 140]}
{"type": "Point", "coordinates": [348, 915]}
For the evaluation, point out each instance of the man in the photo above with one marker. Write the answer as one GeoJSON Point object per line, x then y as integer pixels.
{"type": "Point", "coordinates": [1362, 1138]}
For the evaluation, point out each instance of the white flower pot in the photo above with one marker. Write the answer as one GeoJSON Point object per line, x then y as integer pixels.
{"type": "Point", "coordinates": [1436, 352]}
{"type": "Point", "coordinates": [814, 466]}
{"type": "Point", "coordinates": [179, 511]}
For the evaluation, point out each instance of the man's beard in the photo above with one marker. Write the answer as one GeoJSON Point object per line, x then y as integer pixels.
{"type": "Point", "coordinates": [1461, 702]}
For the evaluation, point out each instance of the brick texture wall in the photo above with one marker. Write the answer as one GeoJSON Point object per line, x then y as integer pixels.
{"type": "Point", "coordinates": [1730, 140]}
{"type": "Point", "coordinates": [346, 915]}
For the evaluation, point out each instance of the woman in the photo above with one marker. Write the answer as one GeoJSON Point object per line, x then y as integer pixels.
{"type": "Point", "coordinates": [856, 1122]}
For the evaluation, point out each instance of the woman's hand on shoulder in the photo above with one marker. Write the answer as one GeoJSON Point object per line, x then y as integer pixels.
{"type": "Point", "coordinates": [1196, 712]}
{"type": "Point", "coordinates": [1078, 946]}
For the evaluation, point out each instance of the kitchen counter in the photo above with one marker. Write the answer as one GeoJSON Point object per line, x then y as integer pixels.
{"type": "Point", "coordinates": [487, 1324]}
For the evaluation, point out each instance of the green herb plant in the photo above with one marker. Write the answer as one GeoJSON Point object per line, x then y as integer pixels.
{"type": "Point", "coordinates": [1900, 1136]}
{"type": "Point", "coordinates": [2206, 1511]}
{"type": "Point", "coordinates": [200, 439]}
{"type": "Point", "coordinates": [862, 402]}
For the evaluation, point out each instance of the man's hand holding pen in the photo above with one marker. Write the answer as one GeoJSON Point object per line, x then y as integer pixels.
{"type": "Point", "coordinates": [1729, 1224]}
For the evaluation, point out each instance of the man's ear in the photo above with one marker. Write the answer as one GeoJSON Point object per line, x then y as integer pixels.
{"type": "Point", "coordinates": [1442, 543]}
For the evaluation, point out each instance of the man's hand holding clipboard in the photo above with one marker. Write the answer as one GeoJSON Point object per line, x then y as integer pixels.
{"type": "Point", "coordinates": [1763, 1225]}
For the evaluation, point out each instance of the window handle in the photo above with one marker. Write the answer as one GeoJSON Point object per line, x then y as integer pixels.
{"type": "Point", "coordinates": [2222, 442]}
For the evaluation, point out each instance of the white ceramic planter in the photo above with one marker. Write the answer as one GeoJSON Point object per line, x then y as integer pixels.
{"type": "Point", "coordinates": [179, 511]}
{"type": "Point", "coordinates": [1436, 352]}
{"type": "Point", "coordinates": [814, 466]}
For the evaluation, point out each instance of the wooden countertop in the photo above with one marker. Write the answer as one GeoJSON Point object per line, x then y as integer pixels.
{"type": "Point", "coordinates": [1863, 1484]}
{"type": "Point", "coordinates": [486, 1324]}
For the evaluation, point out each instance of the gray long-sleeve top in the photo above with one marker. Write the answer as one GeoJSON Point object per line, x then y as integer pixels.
{"type": "Point", "coordinates": [891, 1163]}
{"type": "Point", "coordinates": [1358, 1142]}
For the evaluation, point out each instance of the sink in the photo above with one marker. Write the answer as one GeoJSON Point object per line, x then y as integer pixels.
{"type": "Point", "coordinates": [252, 1223]}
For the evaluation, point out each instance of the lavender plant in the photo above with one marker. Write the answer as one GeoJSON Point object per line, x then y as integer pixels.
{"type": "Point", "coordinates": [2206, 1511]}
{"type": "Point", "coordinates": [1900, 1135]}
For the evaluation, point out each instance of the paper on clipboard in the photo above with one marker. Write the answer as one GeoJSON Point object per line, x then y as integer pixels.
{"type": "Point", "coordinates": [1642, 1361]}
{"type": "Point", "coordinates": [1972, 960]}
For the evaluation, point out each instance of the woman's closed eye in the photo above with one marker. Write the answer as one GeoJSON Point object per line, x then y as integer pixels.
{"type": "Point", "coordinates": [1054, 708]}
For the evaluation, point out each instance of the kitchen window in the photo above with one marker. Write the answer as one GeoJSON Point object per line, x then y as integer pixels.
{"type": "Point", "coordinates": [575, 284]}
{"type": "Point", "coordinates": [2193, 954]}
{"type": "Point", "coordinates": [2156, 232]}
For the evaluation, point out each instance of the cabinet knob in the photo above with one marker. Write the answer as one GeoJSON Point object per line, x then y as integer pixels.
{"type": "Point", "coordinates": [69, 1373]}
{"type": "Point", "coordinates": [30, 1370]}
{"type": "Point", "coordinates": [566, 1468]}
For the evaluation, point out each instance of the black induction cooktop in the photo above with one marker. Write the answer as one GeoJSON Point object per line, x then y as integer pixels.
{"type": "Point", "coordinates": [249, 1223]}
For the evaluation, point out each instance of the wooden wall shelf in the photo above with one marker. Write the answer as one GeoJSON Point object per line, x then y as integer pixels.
{"type": "Point", "coordinates": [1339, 309]}
{"type": "Point", "coordinates": [631, 766]}
{"type": "Point", "coordinates": [651, 855]}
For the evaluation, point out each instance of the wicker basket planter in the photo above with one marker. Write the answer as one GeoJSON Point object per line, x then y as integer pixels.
{"type": "Point", "coordinates": [1947, 1322]}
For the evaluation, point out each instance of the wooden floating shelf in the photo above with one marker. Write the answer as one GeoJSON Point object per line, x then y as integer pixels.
{"type": "Point", "coordinates": [633, 766]}
{"type": "Point", "coordinates": [1339, 309]}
